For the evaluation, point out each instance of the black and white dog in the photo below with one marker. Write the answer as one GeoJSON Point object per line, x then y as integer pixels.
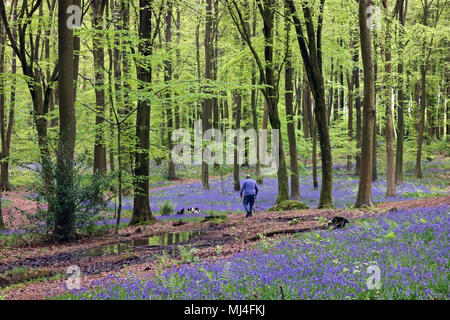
{"type": "Point", "coordinates": [188, 210]}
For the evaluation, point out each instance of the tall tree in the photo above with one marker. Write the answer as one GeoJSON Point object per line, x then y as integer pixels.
{"type": "Point", "coordinates": [5, 121]}
{"type": "Point", "coordinates": [401, 96]}
{"type": "Point", "coordinates": [207, 105]}
{"type": "Point", "coordinates": [141, 205]}
{"type": "Point", "coordinates": [364, 197]}
{"type": "Point", "coordinates": [389, 121]}
{"type": "Point", "coordinates": [427, 47]}
{"type": "Point", "coordinates": [237, 110]}
{"type": "Point", "coordinates": [26, 49]}
{"type": "Point", "coordinates": [65, 207]}
{"type": "Point", "coordinates": [267, 77]}
{"type": "Point", "coordinates": [98, 9]}
{"type": "Point", "coordinates": [168, 71]}
{"type": "Point", "coordinates": [311, 53]}
{"type": "Point", "coordinates": [289, 97]}
{"type": "Point", "coordinates": [358, 113]}
{"type": "Point", "coordinates": [8, 121]}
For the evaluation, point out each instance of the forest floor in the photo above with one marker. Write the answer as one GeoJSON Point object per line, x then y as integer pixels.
{"type": "Point", "coordinates": [137, 250]}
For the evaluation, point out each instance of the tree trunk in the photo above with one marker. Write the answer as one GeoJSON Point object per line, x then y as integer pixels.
{"type": "Point", "coordinates": [289, 97]}
{"type": "Point", "coordinates": [237, 116]}
{"type": "Point", "coordinates": [141, 207]}
{"type": "Point", "coordinates": [98, 7]}
{"type": "Point", "coordinates": [271, 95]}
{"type": "Point", "coordinates": [255, 126]}
{"type": "Point", "coordinates": [374, 147]}
{"type": "Point", "coordinates": [127, 107]}
{"type": "Point", "coordinates": [350, 116]}
{"type": "Point", "coordinates": [312, 59]}
{"type": "Point", "coordinates": [421, 124]}
{"type": "Point", "coordinates": [4, 122]}
{"type": "Point", "coordinates": [307, 103]}
{"type": "Point", "coordinates": [167, 78]}
{"type": "Point", "coordinates": [401, 98]}
{"type": "Point", "coordinates": [389, 121]}
{"type": "Point", "coordinates": [207, 104]}
{"type": "Point", "coordinates": [178, 61]}
{"type": "Point", "coordinates": [364, 197]}
{"type": "Point", "coordinates": [330, 93]}
{"type": "Point", "coordinates": [336, 99]}
{"type": "Point", "coordinates": [358, 116]}
{"type": "Point", "coordinates": [65, 208]}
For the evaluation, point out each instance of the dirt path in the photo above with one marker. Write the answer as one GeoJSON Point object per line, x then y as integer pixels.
{"type": "Point", "coordinates": [233, 235]}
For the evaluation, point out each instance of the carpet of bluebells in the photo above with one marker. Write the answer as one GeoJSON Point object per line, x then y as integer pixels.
{"type": "Point", "coordinates": [222, 197]}
{"type": "Point", "coordinates": [409, 246]}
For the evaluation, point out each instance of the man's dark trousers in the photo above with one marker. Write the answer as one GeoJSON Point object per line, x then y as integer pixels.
{"type": "Point", "coordinates": [249, 201]}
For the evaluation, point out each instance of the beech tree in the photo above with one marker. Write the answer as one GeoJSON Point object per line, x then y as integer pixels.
{"type": "Point", "coordinates": [141, 205]}
{"type": "Point", "coordinates": [98, 8]}
{"type": "Point", "coordinates": [311, 53]}
{"type": "Point", "coordinates": [364, 197]}
{"type": "Point", "coordinates": [65, 209]}
{"type": "Point", "coordinates": [267, 77]}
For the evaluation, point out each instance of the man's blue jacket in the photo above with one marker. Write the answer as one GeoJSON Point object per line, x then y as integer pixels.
{"type": "Point", "coordinates": [249, 187]}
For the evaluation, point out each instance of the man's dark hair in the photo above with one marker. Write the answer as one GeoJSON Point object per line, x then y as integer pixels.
{"type": "Point", "coordinates": [248, 176]}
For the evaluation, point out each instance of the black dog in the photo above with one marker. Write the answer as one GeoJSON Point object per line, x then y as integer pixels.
{"type": "Point", "coordinates": [180, 212]}
{"type": "Point", "coordinates": [338, 222]}
{"type": "Point", "coordinates": [193, 210]}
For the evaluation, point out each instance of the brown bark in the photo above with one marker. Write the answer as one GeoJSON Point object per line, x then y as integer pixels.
{"type": "Point", "coordinates": [289, 97]}
{"type": "Point", "coordinates": [168, 71]}
{"type": "Point", "coordinates": [306, 104]}
{"type": "Point", "coordinates": [65, 208]}
{"type": "Point", "coordinates": [253, 102]}
{"type": "Point", "coordinates": [389, 121]}
{"type": "Point", "coordinates": [358, 115]}
{"type": "Point", "coordinates": [5, 122]}
{"type": "Point", "coordinates": [312, 58]}
{"type": "Point", "coordinates": [421, 124]}
{"type": "Point", "coordinates": [330, 93]}
{"type": "Point", "coordinates": [350, 116]}
{"type": "Point", "coordinates": [47, 32]}
{"type": "Point", "coordinates": [98, 7]}
{"type": "Point", "coordinates": [141, 205]}
{"type": "Point", "coordinates": [207, 105]}
{"type": "Point", "coordinates": [237, 97]}
{"type": "Point", "coordinates": [176, 75]}
{"type": "Point", "coordinates": [364, 197]}
{"type": "Point", "coordinates": [401, 99]}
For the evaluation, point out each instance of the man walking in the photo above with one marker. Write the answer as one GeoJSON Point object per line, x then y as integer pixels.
{"type": "Point", "coordinates": [249, 189]}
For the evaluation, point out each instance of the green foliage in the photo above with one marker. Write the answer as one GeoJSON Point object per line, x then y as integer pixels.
{"type": "Point", "coordinates": [188, 255]}
{"type": "Point", "coordinates": [167, 208]}
{"type": "Point", "coordinates": [289, 205]}
{"type": "Point", "coordinates": [87, 193]}
{"type": "Point", "coordinates": [19, 275]}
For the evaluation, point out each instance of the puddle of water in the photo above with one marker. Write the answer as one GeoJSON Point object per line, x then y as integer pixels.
{"type": "Point", "coordinates": [126, 247]}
